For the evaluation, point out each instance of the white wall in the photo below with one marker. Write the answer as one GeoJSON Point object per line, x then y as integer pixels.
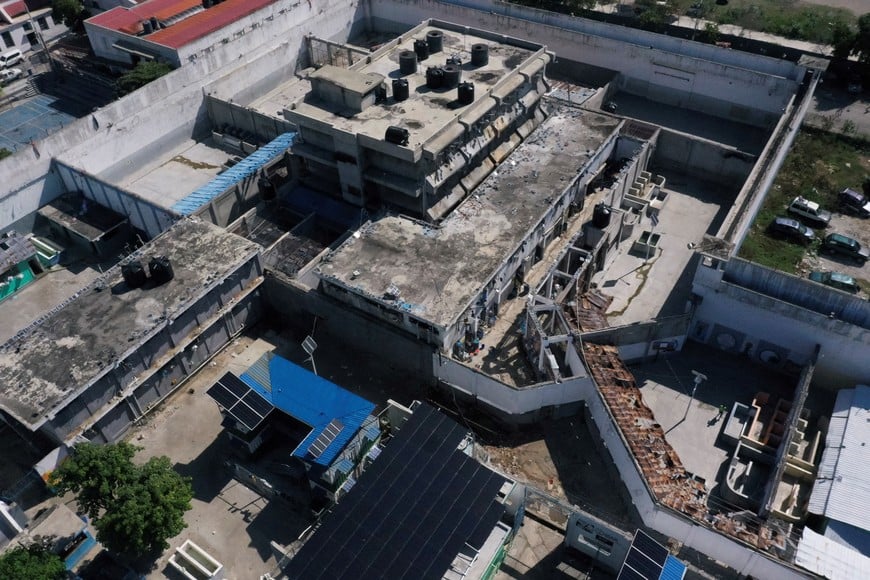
{"type": "Point", "coordinates": [730, 84]}
{"type": "Point", "coordinates": [145, 123]}
{"type": "Point", "coordinates": [19, 34]}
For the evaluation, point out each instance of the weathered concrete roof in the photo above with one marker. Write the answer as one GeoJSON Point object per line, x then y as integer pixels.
{"type": "Point", "coordinates": [86, 218]}
{"type": "Point", "coordinates": [349, 80]}
{"type": "Point", "coordinates": [427, 111]}
{"type": "Point", "coordinates": [56, 358]}
{"type": "Point", "coordinates": [439, 270]}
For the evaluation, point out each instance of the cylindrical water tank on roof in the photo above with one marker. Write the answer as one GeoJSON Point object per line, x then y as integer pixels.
{"type": "Point", "coordinates": [400, 89]}
{"type": "Point", "coordinates": [601, 216]}
{"type": "Point", "coordinates": [434, 77]}
{"type": "Point", "coordinates": [421, 48]}
{"type": "Point", "coordinates": [452, 75]}
{"type": "Point", "coordinates": [397, 135]}
{"type": "Point", "coordinates": [154, 23]}
{"type": "Point", "coordinates": [146, 27]}
{"type": "Point", "coordinates": [479, 54]}
{"type": "Point", "coordinates": [435, 40]}
{"type": "Point", "coordinates": [161, 270]}
{"type": "Point", "coordinates": [407, 62]}
{"type": "Point", "coordinates": [465, 94]}
{"type": "Point", "coordinates": [134, 274]}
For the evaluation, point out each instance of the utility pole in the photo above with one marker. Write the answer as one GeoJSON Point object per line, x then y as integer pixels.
{"type": "Point", "coordinates": [699, 378]}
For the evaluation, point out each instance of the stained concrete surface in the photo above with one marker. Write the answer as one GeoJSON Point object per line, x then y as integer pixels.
{"type": "Point", "coordinates": [744, 137]}
{"type": "Point", "coordinates": [692, 425]}
{"type": "Point", "coordinates": [659, 284]}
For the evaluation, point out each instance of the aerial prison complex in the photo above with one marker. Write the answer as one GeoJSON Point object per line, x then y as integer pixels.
{"type": "Point", "coordinates": [458, 189]}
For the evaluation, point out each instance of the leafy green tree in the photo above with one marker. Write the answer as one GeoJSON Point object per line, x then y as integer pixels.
{"type": "Point", "coordinates": [4, 153]}
{"type": "Point", "coordinates": [34, 561]}
{"type": "Point", "coordinates": [135, 509]}
{"type": "Point", "coordinates": [842, 40]}
{"type": "Point", "coordinates": [68, 11]}
{"type": "Point", "coordinates": [144, 73]}
{"type": "Point", "coordinates": [861, 47]}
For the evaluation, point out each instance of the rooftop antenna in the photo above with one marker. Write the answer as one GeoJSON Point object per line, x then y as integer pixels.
{"type": "Point", "coordinates": [699, 378]}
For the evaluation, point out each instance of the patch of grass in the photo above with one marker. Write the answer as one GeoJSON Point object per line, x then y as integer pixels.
{"type": "Point", "coordinates": [818, 166]}
{"type": "Point", "coordinates": [789, 18]}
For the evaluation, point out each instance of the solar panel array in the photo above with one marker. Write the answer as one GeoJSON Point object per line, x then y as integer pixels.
{"type": "Point", "coordinates": [645, 560]}
{"type": "Point", "coordinates": [326, 437]}
{"type": "Point", "coordinates": [410, 513]}
{"type": "Point", "coordinates": [239, 401]}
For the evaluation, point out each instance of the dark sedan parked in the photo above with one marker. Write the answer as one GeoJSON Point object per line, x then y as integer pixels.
{"type": "Point", "coordinates": [791, 229]}
{"type": "Point", "coordinates": [844, 246]}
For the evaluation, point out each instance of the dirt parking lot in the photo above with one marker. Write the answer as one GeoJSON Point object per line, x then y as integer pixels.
{"type": "Point", "coordinates": [852, 227]}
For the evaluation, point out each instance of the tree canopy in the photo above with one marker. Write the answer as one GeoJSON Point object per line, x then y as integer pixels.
{"type": "Point", "coordinates": [144, 73]}
{"type": "Point", "coordinates": [135, 509]}
{"type": "Point", "coordinates": [68, 11]}
{"type": "Point", "coordinates": [29, 562]}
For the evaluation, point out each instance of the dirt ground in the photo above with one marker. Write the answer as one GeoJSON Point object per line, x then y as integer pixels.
{"type": "Point", "coordinates": [561, 459]}
{"type": "Point", "coordinates": [857, 7]}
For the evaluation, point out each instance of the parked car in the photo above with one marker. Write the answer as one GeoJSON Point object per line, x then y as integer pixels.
{"type": "Point", "coordinates": [854, 203]}
{"type": "Point", "coordinates": [791, 229]}
{"type": "Point", "coordinates": [845, 246]}
{"type": "Point", "coordinates": [11, 58]}
{"type": "Point", "coordinates": [836, 280]}
{"type": "Point", "coordinates": [809, 212]}
{"type": "Point", "coordinates": [7, 75]}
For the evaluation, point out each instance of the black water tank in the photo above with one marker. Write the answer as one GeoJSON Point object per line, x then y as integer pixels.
{"type": "Point", "coordinates": [466, 93]}
{"type": "Point", "coordinates": [435, 40]}
{"type": "Point", "coordinates": [161, 270]}
{"type": "Point", "coordinates": [206, 4]}
{"type": "Point", "coordinates": [479, 54]}
{"type": "Point", "coordinates": [267, 188]}
{"type": "Point", "coordinates": [397, 135]}
{"type": "Point", "coordinates": [452, 75]}
{"type": "Point", "coordinates": [155, 24]}
{"type": "Point", "coordinates": [601, 216]}
{"type": "Point", "coordinates": [400, 89]}
{"type": "Point", "coordinates": [146, 27]}
{"type": "Point", "coordinates": [134, 274]}
{"type": "Point", "coordinates": [434, 77]}
{"type": "Point", "coordinates": [407, 62]}
{"type": "Point", "coordinates": [421, 48]}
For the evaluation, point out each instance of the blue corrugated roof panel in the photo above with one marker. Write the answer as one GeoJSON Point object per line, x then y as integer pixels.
{"type": "Point", "coordinates": [238, 172]}
{"type": "Point", "coordinates": [311, 399]}
{"type": "Point", "coordinates": [673, 569]}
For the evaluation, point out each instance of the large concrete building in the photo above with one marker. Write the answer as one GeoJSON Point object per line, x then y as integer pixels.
{"type": "Point", "coordinates": [418, 221]}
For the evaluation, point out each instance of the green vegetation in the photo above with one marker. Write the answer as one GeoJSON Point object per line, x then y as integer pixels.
{"type": "Point", "coordinates": [4, 153]}
{"type": "Point", "coordinates": [69, 11]}
{"type": "Point", "coordinates": [135, 509]}
{"type": "Point", "coordinates": [818, 166]}
{"type": "Point", "coordinates": [144, 73]}
{"type": "Point", "coordinates": [27, 563]}
{"type": "Point", "coordinates": [854, 42]}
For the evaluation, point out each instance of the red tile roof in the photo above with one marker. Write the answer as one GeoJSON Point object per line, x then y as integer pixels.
{"type": "Point", "coordinates": [129, 20]}
{"type": "Point", "coordinates": [17, 8]}
{"type": "Point", "coordinates": [206, 22]}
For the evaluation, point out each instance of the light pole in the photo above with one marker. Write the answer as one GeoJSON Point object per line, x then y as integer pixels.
{"type": "Point", "coordinates": [699, 378]}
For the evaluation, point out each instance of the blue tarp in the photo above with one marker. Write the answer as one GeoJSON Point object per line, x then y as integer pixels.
{"type": "Point", "coordinates": [238, 172]}
{"type": "Point", "coordinates": [311, 399]}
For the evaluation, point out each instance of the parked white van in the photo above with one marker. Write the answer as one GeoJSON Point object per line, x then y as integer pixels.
{"type": "Point", "coordinates": [10, 58]}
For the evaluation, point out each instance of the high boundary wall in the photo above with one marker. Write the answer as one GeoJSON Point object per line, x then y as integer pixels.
{"type": "Point", "coordinates": [729, 84]}
{"type": "Point", "coordinates": [143, 214]}
{"type": "Point", "coordinates": [264, 127]}
{"type": "Point", "coordinates": [702, 158]}
{"type": "Point", "coordinates": [127, 133]}
{"type": "Point", "coordinates": [781, 334]}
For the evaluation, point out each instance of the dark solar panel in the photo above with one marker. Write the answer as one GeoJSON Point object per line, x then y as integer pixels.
{"type": "Point", "coordinates": [646, 545]}
{"type": "Point", "coordinates": [647, 568]}
{"type": "Point", "coordinates": [409, 514]}
{"type": "Point", "coordinates": [244, 415]}
{"type": "Point", "coordinates": [234, 385]}
{"type": "Point", "coordinates": [628, 574]}
{"type": "Point", "coordinates": [326, 437]}
{"type": "Point", "coordinates": [485, 524]}
{"type": "Point", "coordinates": [220, 394]}
{"type": "Point", "coordinates": [256, 402]}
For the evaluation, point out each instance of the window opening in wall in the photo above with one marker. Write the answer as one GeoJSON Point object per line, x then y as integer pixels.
{"type": "Point", "coordinates": [7, 40]}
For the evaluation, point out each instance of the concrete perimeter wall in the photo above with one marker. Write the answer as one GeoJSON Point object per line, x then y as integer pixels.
{"type": "Point", "coordinates": [729, 84]}
{"type": "Point", "coordinates": [143, 124]}
{"type": "Point", "coordinates": [144, 215]}
{"type": "Point", "coordinates": [702, 158]}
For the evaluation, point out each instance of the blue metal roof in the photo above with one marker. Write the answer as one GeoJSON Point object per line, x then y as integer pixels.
{"type": "Point", "coordinates": [311, 399]}
{"type": "Point", "coordinates": [238, 172]}
{"type": "Point", "coordinates": [673, 569]}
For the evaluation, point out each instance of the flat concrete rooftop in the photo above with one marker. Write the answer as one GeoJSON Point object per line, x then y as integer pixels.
{"type": "Point", "coordinates": [58, 357]}
{"type": "Point", "coordinates": [173, 176]}
{"type": "Point", "coordinates": [438, 270]}
{"type": "Point", "coordinates": [426, 111]}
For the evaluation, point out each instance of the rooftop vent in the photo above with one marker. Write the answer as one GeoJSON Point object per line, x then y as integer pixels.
{"type": "Point", "coordinates": [397, 135]}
